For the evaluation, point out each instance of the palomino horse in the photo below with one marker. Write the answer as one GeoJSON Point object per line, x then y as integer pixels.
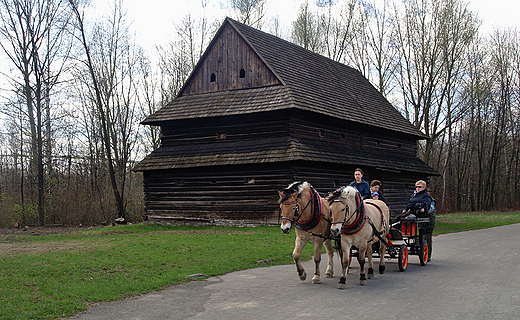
{"type": "Point", "coordinates": [304, 208]}
{"type": "Point", "coordinates": [350, 215]}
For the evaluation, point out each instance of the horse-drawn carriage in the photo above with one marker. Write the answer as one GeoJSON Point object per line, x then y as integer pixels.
{"type": "Point", "coordinates": [407, 237]}
{"type": "Point", "coordinates": [359, 228]}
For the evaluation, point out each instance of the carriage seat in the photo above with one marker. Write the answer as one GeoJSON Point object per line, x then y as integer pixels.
{"type": "Point", "coordinates": [411, 224]}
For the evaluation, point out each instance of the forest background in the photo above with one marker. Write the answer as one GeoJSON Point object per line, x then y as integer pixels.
{"type": "Point", "coordinates": [75, 86]}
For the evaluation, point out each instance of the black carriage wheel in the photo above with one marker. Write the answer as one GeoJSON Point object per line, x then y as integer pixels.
{"type": "Point", "coordinates": [403, 257]}
{"type": "Point", "coordinates": [423, 254]}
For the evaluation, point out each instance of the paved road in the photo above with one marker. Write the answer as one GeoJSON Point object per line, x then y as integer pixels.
{"type": "Point", "coordinates": [472, 275]}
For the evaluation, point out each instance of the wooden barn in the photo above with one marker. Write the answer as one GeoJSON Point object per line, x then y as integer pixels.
{"type": "Point", "coordinates": [258, 113]}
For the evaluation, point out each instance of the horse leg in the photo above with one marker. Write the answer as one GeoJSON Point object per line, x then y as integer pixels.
{"type": "Point", "coordinates": [361, 260]}
{"type": "Point", "coordinates": [370, 273]}
{"type": "Point", "coordinates": [382, 252]}
{"type": "Point", "coordinates": [318, 244]}
{"type": "Point", "coordinates": [330, 253]}
{"type": "Point", "coordinates": [344, 265]}
{"type": "Point", "coordinates": [298, 247]}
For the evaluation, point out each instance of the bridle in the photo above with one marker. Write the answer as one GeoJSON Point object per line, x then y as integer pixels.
{"type": "Point", "coordinates": [297, 214]}
{"type": "Point", "coordinates": [297, 211]}
{"type": "Point", "coordinates": [347, 209]}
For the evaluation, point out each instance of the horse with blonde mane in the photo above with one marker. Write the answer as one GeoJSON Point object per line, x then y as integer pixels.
{"type": "Point", "coordinates": [303, 207]}
{"type": "Point", "coordinates": [360, 223]}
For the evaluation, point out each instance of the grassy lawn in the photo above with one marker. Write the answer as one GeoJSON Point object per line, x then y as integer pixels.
{"type": "Point", "coordinates": [457, 222]}
{"type": "Point", "coordinates": [52, 276]}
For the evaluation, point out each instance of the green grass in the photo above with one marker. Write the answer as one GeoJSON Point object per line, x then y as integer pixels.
{"type": "Point", "coordinates": [52, 276]}
{"type": "Point", "coordinates": [457, 222]}
{"type": "Point", "coordinates": [60, 275]}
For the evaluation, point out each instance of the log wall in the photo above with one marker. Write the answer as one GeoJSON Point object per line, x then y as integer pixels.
{"type": "Point", "coordinates": [277, 124]}
{"type": "Point", "coordinates": [249, 193]}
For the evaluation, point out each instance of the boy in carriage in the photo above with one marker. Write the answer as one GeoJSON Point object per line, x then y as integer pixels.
{"type": "Point", "coordinates": [375, 189]}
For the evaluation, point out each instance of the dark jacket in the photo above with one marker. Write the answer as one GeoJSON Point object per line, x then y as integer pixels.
{"type": "Point", "coordinates": [363, 188]}
{"type": "Point", "coordinates": [420, 200]}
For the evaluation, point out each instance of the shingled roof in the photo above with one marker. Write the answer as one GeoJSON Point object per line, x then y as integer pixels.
{"type": "Point", "coordinates": [278, 149]}
{"type": "Point", "coordinates": [309, 82]}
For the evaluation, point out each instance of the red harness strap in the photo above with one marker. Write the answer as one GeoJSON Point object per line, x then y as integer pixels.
{"type": "Point", "coordinates": [316, 210]}
{"type": "Point", "coordinates": [358, 224]}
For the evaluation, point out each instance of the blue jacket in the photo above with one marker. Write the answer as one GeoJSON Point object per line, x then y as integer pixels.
{"type": "Point", "coordinates": [380, 197]}
{"type": "Point", "coordinates": [420, 197]}
{"type": "Point", "coordinates": [363, 188]}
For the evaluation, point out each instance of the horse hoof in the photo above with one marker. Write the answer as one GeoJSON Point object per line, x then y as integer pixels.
{"type": "Point", "coordinates": [316, 281]}
{"type": "Point", "coordinates": [381, 269]}
{"type": "Point", "coordinates": [329, 275]}
{"type": "Point", "coordinates": [342, 286]}
{"type": "Point", "coordinates": [362, 280]}
{"type": "Point", "coordinates": [370, 273]}
{"type": "Point", "coordinates": [303, 276]}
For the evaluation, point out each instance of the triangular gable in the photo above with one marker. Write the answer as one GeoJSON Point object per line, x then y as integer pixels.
{"type": "Point", "coordinates": [310, 81]}
{"type": "Point", "coordinates": [229, 63]}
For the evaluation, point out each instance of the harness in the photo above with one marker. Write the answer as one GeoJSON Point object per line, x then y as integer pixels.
{"type": "Point", "coordinates": [316, 212]}
{"type": "Point", "coordinates": [377, 233]}
{"type": "Point", "coordinates": [359, 221]}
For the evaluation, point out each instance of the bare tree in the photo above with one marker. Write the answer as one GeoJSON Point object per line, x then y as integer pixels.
{"type": "Point", "coordinates": [250, 12]}
{"type": "Point", "coordinates": [109, 60]}
{"type": "Point", "coordinates": [382, 49]}
{"type": "Point", "coordinates": [191, 40]}
{"type": "Point", "coordinates": [33, 33]}
{"type": "Point", "coordinates": [149, 102]}
{"type": "Point", "coordinates": [505, 106]}
{"type": "Point", "coordinates": [179, 57]}
{"type": "Point", "coordinates": [336, 29]}
{"type": "Point", "coordinates": [432, 38]}
{"type": "Point", "coordinates": [307, 29]}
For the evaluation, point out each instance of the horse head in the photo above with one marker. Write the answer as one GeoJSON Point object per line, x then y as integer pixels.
{"type": "Point", "coordinates": [289, 204]}
{"type": "Point", "coordinates": [342, 204]}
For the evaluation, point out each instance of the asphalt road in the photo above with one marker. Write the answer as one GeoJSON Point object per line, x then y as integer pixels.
{"type": "Point", "coordinates": [472, 275]}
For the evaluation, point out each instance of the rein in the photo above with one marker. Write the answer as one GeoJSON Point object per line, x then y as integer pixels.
{"type": "Point", "coordinates": [378, 233]}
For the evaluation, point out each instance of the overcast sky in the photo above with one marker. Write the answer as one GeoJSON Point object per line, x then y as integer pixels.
{"type": "Point", "coordinates": [153, 19]}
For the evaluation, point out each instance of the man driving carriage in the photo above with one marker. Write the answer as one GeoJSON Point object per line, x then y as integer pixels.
{"type": "Point", "coordinates": [420, 201]}
{"type": "Point", "coordinates": [422, 204]}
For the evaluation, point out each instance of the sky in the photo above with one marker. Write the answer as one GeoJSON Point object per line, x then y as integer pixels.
{"type": "Point", "coordinates": [153, 20]}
